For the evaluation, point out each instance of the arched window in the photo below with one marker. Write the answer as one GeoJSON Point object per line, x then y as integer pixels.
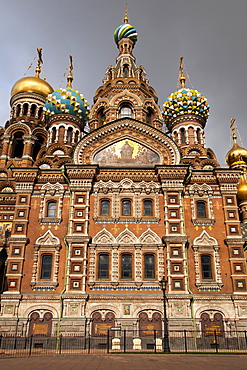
{"type": "Point", "coordinates": [69, 135]}
{"type": "Point", "coordinates": [149, 266]}
{"type": "Point", "coordinates": [198, 136]}
{"type": "Point", "coordinates": [37, 146]}
{"type": "Point", "coordinates": [40, 113]}
{"type": "Point", "coordinates": [46, 266]}
{"type": "Point", "coordinates": [101, 116]}
{"type": "Point", "coordinates": [183, 138]}
{"type": "Point", "coordinates": [53, 134]}
{"type": "Point", "coordinates": [125, 111]}
{"type": "Point", "coordinates": [18, 145]}
{"type": "Point", "coordinates": [126, 207]}
{"type": "Point", "coordinates": [33, 110]}
{"type": "Point", "coordinates": [148, 207]}
{"type": "Point", "coordinates": [18, 110]}
{"type": "Point", "coordinates": [76, 136]}
{"type": "Point", "coordinates": [105, 207]}
{"type": "Point", "coordinates": [149, 116]}
{"type": "Point", "coordinates": [51, 209]}
{"type": "Point", "coordinates": [206, 266]}
{"type": "Point", "coordinates": [25, 109]}
{"type": "Point", "coordinates": [126, 266]}
{"type": "Point", "coordinates": [201, 210]}
{"type": "Point", "coordinates": [126, 71]}
{"type": "Point", "coordinates": [103, 266]}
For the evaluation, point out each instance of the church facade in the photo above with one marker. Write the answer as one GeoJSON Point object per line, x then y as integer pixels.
{"type": "Point", "coordinates": [99, 207]}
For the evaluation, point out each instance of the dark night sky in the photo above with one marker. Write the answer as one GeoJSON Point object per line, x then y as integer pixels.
{"type": "Point", "coordinates": [211, 35]}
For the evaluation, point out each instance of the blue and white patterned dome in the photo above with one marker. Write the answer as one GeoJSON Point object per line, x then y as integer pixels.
{"type": "Point", "coordinates": [125, 31]}
{"type": "Point", "coordinates": [67, 101]}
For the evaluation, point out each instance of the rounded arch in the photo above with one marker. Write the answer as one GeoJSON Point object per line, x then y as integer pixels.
{"type": "Point", "coordinates": [37, 307]}
{"type": "Point", "coordinates": [212, 309]}
{"type": "Point", "coordinates": [22, 127]}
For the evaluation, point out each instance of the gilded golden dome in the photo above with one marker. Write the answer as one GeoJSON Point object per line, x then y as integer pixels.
{"type": "Point", "coordinates": [237, 155]}
{"type": "Point", "coordinates": [242, 189]}
{"type": "Point", "coordinates": [32, 84]}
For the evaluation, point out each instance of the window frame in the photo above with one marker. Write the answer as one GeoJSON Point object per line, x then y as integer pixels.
{"type": "Point", "coordinates": [146, 270]}
{"type": "Point", "coordinates": [210, 270]}
{"type": "Point", "coordinates": [43, 270]}
{"type": "Point", "coordinates": [145, 209]}
{"type": "Point", "coordinates": [48, 210]}
{"type": "Point", "coordinates": [199, 203]}
{"type": "Point", "coordinates": [122, 207]}
{"type": "Point", "coordinates": [100, 269]}
{"type": "Point", "coordinates": [101, 207]}
{"type": "Point", "coordinates": [122, 274]}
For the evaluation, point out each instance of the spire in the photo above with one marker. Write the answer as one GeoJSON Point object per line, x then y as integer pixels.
{"type": "Point", "coordinates": [70, 77]}
{"type": "Point", "coordinates": [40, 62]}
{"type": "Point", "coordinates": [126, 15]}
{"type": "Point", "coordinates": [233, 130]}
{"type": "Point", "coordinates": [181, 73]}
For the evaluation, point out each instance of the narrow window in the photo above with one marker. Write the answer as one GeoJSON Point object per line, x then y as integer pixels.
{"type": "Point", "coordinates": [183, 139]}
{"type": "Point", "coordinates": [52, 209]}
{"type": "Point", "coordinates": [126, 266]}
{"type": "Point", "coordinates": [125, 111]}
{"type": "Point", "coordinates": [201, 209]}
{"type": "Point", "coordinates": [149, 266]}
{"type": "Point", "coordinates": [148, 208]}
{"type": "Point", "coordinates": [103, 270]}
{"type": "Point", "coordinates": [126, 71]}
{"type": "Point", "coordinates": [126, 207]}
{"type": "Point", "coordinates": [25, 109]}
{"type": "Point", "coordinates": [69, 135]}
{"type": "Point", "coordinates": [46, 266]}
{"type": "Point", "coordinates": [149, 116]}
{"type": "Point", "coordinates": [18, 145]}
{"type": "Point", "coordinates": [33, 110]}
{"type": "Point", "coordinates": [105, 208]}
{"type": "Point", "coordinates": [18, 110]}
{"type": "Point", "coordinates": [40, 113]}
{"type": "Point", "coordinates": [206, 267]}
{"type": "Point", "coordinates": [53, 135]}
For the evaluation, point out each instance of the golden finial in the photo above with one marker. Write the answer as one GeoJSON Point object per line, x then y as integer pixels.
{"type": "Point", "coordinates": [126, 16]}
{"type": "Point", "coordinates": [40, 61]}
{"type": "Point", "coordinates": [70, 77]}
{"type": "Point", "coordinates": [181, 73]}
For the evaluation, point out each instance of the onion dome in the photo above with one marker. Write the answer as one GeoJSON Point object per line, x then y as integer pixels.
{"type": "Point", "coordinates": [185, 101]}
{"type": "Point", "coordinates": [33, 84]}
{"type": "Point", "coordinates": [242, 190]}
{"type": "Point", "coordinates": [237, 156]}
{"type": "Point", "coordinates": [67, 101]}
{"type": "Point", "coordinates": [125, 30]}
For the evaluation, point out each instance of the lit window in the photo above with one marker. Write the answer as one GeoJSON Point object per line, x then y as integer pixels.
{"type": "Point", "coordinates": [46, 266]}
{"type": "Point", "coordinates": [206, 267]}
{"type": "Point", "coordinates": [201, 209]}
{"type": "Point", "coordinates": [125, 111]}
{"type": "Point", "coordinates": [126, 266]}
{"type": "Point", "coordinates": [103, 267]}
{"type": "Point", "coordinates": [51, 209]}
{"type": "Point", "coordinates": [148, 208]}
{"type": "Point", "coordinates": [177, 284]}
{"type": "Point", "coordinates": [126, 207]}
{"type": "Point", "coordinates": [149, 266]}
{"type": "Point", "coordinates": [105, 207]}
